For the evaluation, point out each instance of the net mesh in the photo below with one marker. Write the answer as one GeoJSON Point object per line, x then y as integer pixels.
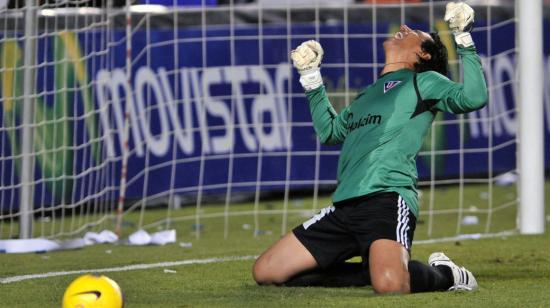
{"type": "Point", "coordinates": [218, 137]}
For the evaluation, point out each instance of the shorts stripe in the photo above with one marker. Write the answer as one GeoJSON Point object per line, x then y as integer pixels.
{"type": "Point", "coordinates": [324, 211]}
{"type": "Point", "coordinates": [407, 225]}
{"type": "Point", "coordinates": [402, 223]}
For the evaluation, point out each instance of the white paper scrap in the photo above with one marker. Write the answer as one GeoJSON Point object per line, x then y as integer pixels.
{"type": "Point", "coordinates": [140, 237]}
{"type": "Point", "coordinates": [163, 237]}
{"type": "Point", "coordinates": [37, 245]}
{"type": "Point", "coordinates": [470, 220]}
{"type": "Point", "coordinates": [105, 236]}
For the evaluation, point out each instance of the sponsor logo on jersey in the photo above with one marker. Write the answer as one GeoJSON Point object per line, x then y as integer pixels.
{"type": "Point", "coordinates": [388, 85]}
{"type": "Point", "coordinates": [370, 119]}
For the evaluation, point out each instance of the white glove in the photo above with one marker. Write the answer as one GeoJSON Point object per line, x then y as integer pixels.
{"type": "Point", "coordinates": [306, 58]}
{"type": "Point", "coordinates": [460, 18]}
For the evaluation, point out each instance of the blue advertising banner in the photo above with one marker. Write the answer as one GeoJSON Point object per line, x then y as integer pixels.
{"type": "Point", "coordinates": [214, 109]}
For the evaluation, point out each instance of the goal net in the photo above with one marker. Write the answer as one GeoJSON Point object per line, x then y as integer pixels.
{"type": "Point", "coordinates": [192, 118]}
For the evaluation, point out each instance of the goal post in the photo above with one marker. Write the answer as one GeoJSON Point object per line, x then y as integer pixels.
{"type": "Point", "coordinates": [27, 153]}
{"type": "Point", "coordinates": [531, 113]}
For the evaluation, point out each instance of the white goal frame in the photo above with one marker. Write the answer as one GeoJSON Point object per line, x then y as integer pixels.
{"type": "Point", "coordinates": [531, 122]}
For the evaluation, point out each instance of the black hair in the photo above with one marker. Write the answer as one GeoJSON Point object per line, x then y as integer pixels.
{"type": "Point", "coordinates": [438, 61]}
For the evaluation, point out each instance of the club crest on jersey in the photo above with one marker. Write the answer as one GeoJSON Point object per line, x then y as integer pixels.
{"type": "Point", "coordinates": [388, 85]}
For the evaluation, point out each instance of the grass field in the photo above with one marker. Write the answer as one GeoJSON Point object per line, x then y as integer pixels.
{"type": "Point", "coordinates": [513, 271]}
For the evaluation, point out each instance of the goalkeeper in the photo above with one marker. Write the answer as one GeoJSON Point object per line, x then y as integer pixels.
{"type": "Point", "coordinates": [375, 204]}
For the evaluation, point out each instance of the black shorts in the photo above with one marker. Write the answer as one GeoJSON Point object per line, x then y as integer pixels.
{"type": "Point", "coordinates": [347, 229]}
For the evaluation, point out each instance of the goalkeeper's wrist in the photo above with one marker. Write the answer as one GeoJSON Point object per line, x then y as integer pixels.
{"type": "Point", "coordinates": [463, 39]}
{"type": "Point", "coordinates": [311, 79]}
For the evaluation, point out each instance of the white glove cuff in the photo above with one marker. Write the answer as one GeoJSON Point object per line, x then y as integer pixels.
{"type": "Point", "coordinates": [464, 39]}
{"type": "Point", "coordinates": [311, 79]}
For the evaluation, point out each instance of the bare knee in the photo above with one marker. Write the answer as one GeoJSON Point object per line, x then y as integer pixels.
{"type": "Point", "coordinates": [281, 261]}
{"type": "Point", "coordinates": [264, 272]}
{"type": "Point", "coordinates": [260, 272]}
{"type": "Point", "coordinates": [391, 282]}
{"type": "Point", "coordinates": [388, 267]}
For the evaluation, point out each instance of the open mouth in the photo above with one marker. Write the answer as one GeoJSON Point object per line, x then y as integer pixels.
{"type": "Point", "coordinates": [398, 35]}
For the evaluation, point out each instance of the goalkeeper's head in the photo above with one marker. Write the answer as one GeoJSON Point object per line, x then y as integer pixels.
{"type": "Point", "coordinates": [416, 50]}
{"type": "Point", "coordinates": [438, 56]}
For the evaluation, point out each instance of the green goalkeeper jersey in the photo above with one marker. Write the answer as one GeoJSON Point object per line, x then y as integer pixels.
{"type": "Point", "coordinates": [382, 130]}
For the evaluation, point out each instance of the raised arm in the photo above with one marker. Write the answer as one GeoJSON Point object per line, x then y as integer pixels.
{"type": "Point", "coordinates": [455, 97]}
{"type": "Point", "coordinates": [450, 96]}
{"type": "Point", "coordinates": [329, 126]}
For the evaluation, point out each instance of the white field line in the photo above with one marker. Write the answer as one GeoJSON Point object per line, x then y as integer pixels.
{"type": "Point", "coordinates": [13, 279]}
{"type": "Point", "coordinates": [463, 237]}
{"type": "Point", "coordinates": [125, 268]}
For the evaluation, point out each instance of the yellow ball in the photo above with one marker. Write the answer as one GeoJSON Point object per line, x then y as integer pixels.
{"type": "Point", "coordinates": [95, 291]}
